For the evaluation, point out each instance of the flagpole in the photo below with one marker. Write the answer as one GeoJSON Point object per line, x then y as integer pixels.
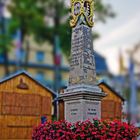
{"type": "Point", "coordinates": [133, 93]}
{"type": "Point", "coordinates": [57, 72]}
{"type": "Point", "coordinates": [57, 63]}
{"type": "Point", "coordinates": [18, 49]}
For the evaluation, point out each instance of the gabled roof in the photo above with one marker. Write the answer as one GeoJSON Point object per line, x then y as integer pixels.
{"type": "Point", "coordinates": [116, 93]}
{"type": "Point", "coordinates": [28, 75]}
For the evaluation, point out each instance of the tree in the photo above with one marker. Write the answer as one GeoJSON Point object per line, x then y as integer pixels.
{"type": "Point", "coordinates": [4, 45]}
{"type": "Point", "coordinates": [4, 37]}
{"type": "Point", "coordinates": [103, 11]}
{"type": "Point", "coordinates": [28, 16]}
{"type": "Point", "coordinates": [31, 16]}
{"type": "Point", "coordinates": [59, 13]}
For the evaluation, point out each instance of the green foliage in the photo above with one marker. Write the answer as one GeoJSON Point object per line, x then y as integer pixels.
{"type": "Point", "coordinates": [65, 37]}
{"type": "Point", "coordinates": [5, 36]}
{"type": "Point", "coordinates": [103, 11]}
{"type": "Point", "coordinates": [30, 15]}
{"type": "Point", "coordinates": [27, 15]}
{"type": "Point", "coordinates": [96, 123]}
{"type": "Point", "coordinates": [5, 43]}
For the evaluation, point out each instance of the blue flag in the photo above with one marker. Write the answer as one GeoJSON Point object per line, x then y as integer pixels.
{"type": "Point", "coordinates": [133, 93]}
{"type": "Point", "coordinates": [18, 46]}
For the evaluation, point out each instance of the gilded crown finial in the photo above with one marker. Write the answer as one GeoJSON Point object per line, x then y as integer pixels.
{"type": "Point", "coordinates": [82, 12]}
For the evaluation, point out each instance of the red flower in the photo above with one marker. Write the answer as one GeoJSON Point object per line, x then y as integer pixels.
{"type": "Point", "coordinates": [99, 130]}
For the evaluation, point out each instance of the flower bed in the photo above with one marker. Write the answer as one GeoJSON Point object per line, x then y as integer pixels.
{"type": "Point", "coordinates": [96, 130]}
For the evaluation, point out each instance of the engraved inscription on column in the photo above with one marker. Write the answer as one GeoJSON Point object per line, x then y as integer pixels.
{"type": "Point", "coordinates": [82, 110]}
{"type": "Point", "coordinates": [77, 41]}
{"type": "Point", "coordinates": [73, 110]}
{"type": "Point", "coordinates": [92, 109]}
{"type": "Point", "coordinates": [82, 66]}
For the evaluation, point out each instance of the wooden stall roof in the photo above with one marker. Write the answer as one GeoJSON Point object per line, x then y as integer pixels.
{"type": "Point", "coordinates": [111, 89]}
{"type": "Point", "coordinates": [28, 75]}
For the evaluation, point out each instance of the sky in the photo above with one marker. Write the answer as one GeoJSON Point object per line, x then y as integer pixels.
{"type": "Point", "coordinates": [119, 34]}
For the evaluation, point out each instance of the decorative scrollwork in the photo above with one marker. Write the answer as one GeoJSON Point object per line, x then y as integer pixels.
{"type": "Point", "coordinates": [82, 12]}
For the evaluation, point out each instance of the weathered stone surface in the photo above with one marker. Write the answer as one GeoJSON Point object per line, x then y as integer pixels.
{"type": "Point", "coordinates": [82, 110]}
{"type": "Point", "coordinates": [82, 97]}
{"type": "Point", "coordinates": [73, 110]}
{"type": "Point", "coordinates": [82, 102]}
{"type": "Point", "coordinates": [82, 66]}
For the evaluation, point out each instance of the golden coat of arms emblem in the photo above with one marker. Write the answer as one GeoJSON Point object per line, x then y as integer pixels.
{"type": "Point", "coordinates": [82, 12]}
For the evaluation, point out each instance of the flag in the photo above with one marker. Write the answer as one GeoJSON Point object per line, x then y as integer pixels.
{"type": "Point", "coordinates": [133, 93]}
{"type": "Point", "coordinates": [1, 9]}
{"type": "Point", "coordinates": [57, 63]}
{"type": "Point", "coordinates": [18, 46]}
{"type": "Point", "coordinates": [57, 52]}
{"type": "Point", "coordinates": [121, 64]}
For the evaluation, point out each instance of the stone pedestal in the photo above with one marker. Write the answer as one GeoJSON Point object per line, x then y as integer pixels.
{"type": "Point", "coordinates": [82, 102]}
{"type": "Point", "coordinates": [82, 109]}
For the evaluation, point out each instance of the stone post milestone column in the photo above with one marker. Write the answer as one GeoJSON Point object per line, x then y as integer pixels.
{"type": "Point", "coordinates": [82, 97]}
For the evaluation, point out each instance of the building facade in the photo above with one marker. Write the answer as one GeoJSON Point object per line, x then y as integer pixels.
{"type": "Point", "coordinates": [41, 63]}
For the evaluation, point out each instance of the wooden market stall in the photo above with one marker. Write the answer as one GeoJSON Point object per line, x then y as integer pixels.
{"type": "Point", "coordinates": [23, 100]}
{"type": "Point", "coordinates": [111, 105]}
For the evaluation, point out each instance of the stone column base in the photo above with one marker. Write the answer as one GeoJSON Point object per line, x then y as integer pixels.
{"type": "Point", "coordinates": [82, 102]}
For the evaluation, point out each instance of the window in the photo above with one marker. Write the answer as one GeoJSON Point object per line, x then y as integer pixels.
{"type": "Point", "coordinates": [23, 55]}
{"type": "Point", "coordinates": [40, 56]}
{"type": "Point", "coordinates": [40, 76]}
{"type": "Point", "coordinates": [1, 57]}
